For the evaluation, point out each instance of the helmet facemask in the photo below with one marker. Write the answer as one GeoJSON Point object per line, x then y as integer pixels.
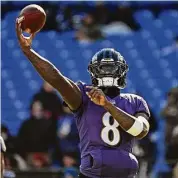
{"type": "Point", "coordinates": [108, 73]}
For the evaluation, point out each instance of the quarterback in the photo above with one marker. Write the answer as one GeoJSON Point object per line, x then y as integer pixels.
{"type": "Point", "coordinates": [108, 121]}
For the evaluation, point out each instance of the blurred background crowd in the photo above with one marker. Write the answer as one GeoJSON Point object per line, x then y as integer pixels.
{"type": "Point", "coordinates": [38, 128]}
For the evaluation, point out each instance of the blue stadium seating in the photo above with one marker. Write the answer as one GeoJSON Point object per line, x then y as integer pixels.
{"type": "Point", "coordinates": [151, 73]}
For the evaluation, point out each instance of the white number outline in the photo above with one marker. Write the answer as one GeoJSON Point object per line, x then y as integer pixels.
{"type": "Point", "coordinates": [107, 127]}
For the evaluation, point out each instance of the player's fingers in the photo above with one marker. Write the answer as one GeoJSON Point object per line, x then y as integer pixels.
{"type": "Point", "coordinates": [87, 93]}
{"type": "Point", "coordinates": [17, 27]}
{"type": "Point", "coordinates": [89, 87]}
{"type": "Point", "coordinates": [95, 94]}
{"type": "Point", "coordinates": [20, 19]}
{"type": "Point", "coordinates": [19, 30]}
{"type": "Point", "coordinates": [90, 92]}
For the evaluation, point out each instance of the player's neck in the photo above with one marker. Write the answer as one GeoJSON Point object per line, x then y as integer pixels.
{"type": "Point", "coordinates": [112, 92]}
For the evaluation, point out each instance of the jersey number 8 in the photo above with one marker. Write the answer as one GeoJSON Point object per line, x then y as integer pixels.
{"type": "Point", "coordinates": [110, 133]}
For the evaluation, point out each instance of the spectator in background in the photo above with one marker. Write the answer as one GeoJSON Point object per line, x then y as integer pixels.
{"type": "Point", "coordinates": [170, 113]}
{"type": "Point", "coordinates": [8, 139]}
{"type": "Point", "coordinates": [82, 37]}
{"type": "Point", "coordinates": [11, 154]}
{"type": "Point", "coordinates": [67, 139]}
{"type": "Point", "coordinates": [51, 10]}
{"type": "Point", "coordinates": [121, 21]}
{"type": "Point", "coordinates": [145, 149]}
{"type": "Point", "coordinates": [68, 133]}
{"type": "Point", "coordinates": [124, 14]}
{"type": "Point", "coordinates": [101, 8]}
{"type": "Point", "coordinates": [51, 102]}
{"type": "Point", "coordinates": [89, 30]}
{"type": "Point", "coordinates": [70, 165]}
{"type": "Point", "coordinates": [5, 172]}
{"type": "Point", "coordinates": [35, 138]}
{"type": "Point", "coordinates": [52, 109]}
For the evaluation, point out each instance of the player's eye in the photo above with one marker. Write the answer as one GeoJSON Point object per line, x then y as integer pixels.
{"type": "Point", "coordinates": [108, 68]}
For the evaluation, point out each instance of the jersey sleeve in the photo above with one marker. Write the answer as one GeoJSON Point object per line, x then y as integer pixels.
{"type": "Point", "coordinates": [79, 111]}
{"type": "Point", "coordinates": [141, 106]}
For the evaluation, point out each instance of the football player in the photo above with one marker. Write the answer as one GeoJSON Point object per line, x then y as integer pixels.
{"type": "Point", "coordinates": [107, 120]}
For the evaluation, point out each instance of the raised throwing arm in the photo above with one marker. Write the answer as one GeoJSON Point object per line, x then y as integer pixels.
{"type": "Point", "coordinates": [68, 89]}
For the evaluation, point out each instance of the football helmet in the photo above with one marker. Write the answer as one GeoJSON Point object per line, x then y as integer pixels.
{"type": "Point", "coordinates": [108, 69]}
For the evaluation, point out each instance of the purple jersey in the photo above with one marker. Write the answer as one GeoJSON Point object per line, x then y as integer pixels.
{"type": "Point", "coordinates": [106, 149]}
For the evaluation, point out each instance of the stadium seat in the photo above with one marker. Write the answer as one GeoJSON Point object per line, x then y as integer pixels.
{"type": "Point", "coordinates": [151, 72]}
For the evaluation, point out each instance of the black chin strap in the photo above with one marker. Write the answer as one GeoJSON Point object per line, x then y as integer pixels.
{"type": "Point", "coordinates": [112, 92]}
